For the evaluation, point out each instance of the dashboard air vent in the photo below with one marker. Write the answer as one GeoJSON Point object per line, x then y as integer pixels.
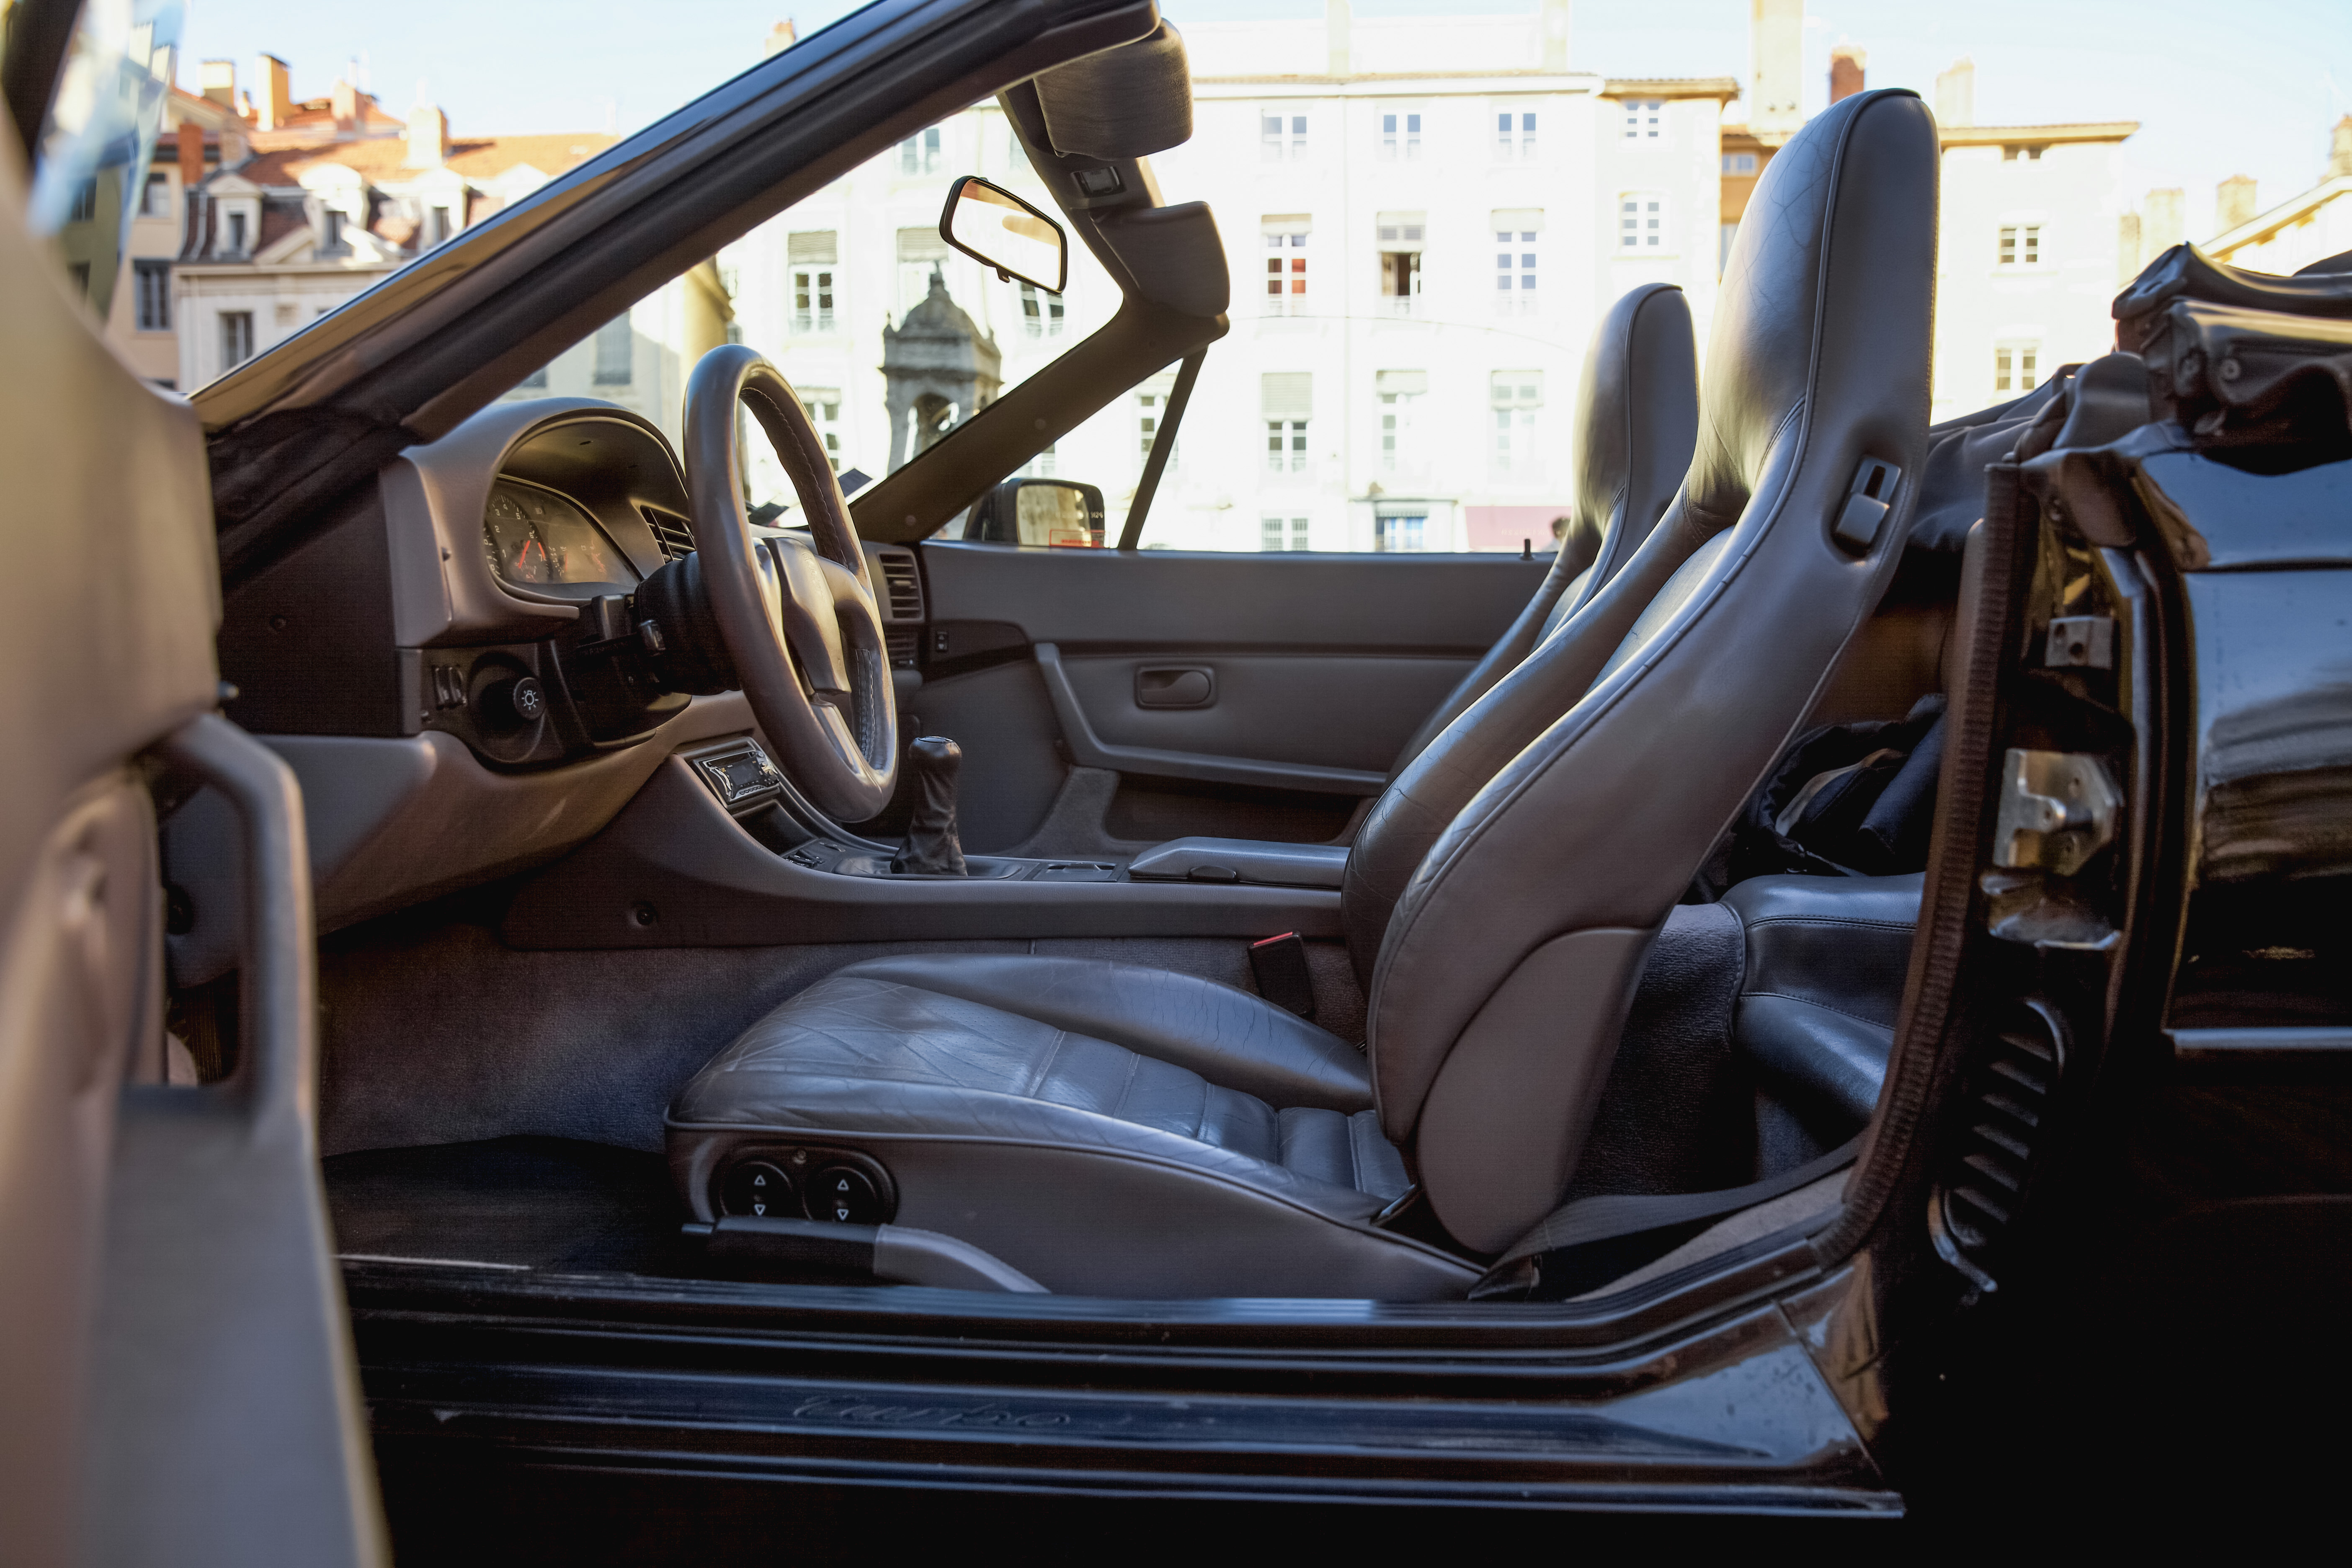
{"type": "Point", "coordinates": [902, 642]}
{"type": "Point", "coordinates": [902, 586]}
{"type": "Point", "coordinates": [2007, 1113]}
{"type": "Point", "coordinates": [672, 533]}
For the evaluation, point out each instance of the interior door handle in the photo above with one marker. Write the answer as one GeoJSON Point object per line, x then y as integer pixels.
{"type": "Point", "coordinates": [1175, 686]}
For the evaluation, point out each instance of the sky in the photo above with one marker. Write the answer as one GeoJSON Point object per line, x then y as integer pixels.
{"type": "Point", "coordinates": [2250, 88]}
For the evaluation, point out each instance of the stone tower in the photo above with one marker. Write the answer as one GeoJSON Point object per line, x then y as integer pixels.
{"type": "Point", "coordinates": [939, 371]}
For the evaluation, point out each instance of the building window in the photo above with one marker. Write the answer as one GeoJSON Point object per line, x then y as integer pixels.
{"type": "Point", "coordinates": [1645, 119]}
{"type": "Point", "coordinates": [919, 154]}
{"type": "Point", "coordinates": [1515, 137]}
{"type": "Point", "coordinates": [1517, 395]}
{"type": "Point", "coordinates": [1641, 222]}
{"type": "Point", "coordinates": [237, 234]}
{"type": "Point", "coordinates": [436, 226]}
{"type": "Point", "coordinates": [235, 338]}
{"type": "Point", "coordinates": [1400, 137]}
{"type": "Point", "coordinates": [811, 255]}
{"type": "Point", "coordinates": [153, 280]}
{"type": "Point", "coordinates": [1272, 534]}
{"type": "Point", "coordinates": [823, 405]}
{"type": "Point", "coordinates": [1515, 259]}
{"type": "Point", "coordinates": [1286, 402]}
{"type": "Point", "coordinates": [331, 232]}
{"type": "Point", "coordinates": [155, 196]}
{"type": "Point", "coordinates": [1400, 392]}
{"type": "Point", "coordinates": [1040, 313]}
{"type": "Point", "coordinates": [2016, 367]}
{"type": "Point", "coordinates": [1285, 266]}
{"type": "Point", "coordinates": [1282, 136]}
{"type": "Point", "coordinates": [1400, 531]}
{"type": "Point", "coordinates": [1151, 413]}
{"type": "Point", "coordinates": [1740, 164]}
{"type": "Point", "coordinates": [2021, 244]}
{"type": "Point", "coordinates": [1399, 236]}
{"type": "Point", "coordinates": [616, 352]}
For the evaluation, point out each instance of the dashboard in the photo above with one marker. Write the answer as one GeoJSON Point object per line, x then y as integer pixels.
{"type": "Point", "coordinates": [484, 588]}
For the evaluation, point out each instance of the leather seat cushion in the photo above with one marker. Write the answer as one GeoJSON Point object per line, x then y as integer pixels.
{"type": "Point", "coordinates": [1067, 1052]}
{"type": "Point", "coordinates": [1826, 962]}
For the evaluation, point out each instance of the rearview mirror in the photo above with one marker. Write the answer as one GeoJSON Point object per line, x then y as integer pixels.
{"type": "Point", "coordinates": [998, 229]}
{"type": "Point", "coordinates": [1059, 514]}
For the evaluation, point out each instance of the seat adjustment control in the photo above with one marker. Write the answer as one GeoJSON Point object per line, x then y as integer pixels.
{"type": "Point", "coordinates": [845, 1196]}
{"type": "Point", "coordinates": [758, 1190]}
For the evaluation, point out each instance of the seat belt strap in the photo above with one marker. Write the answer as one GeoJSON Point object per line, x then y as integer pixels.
{"type": "Point", "coordinates": [1592, 1240]}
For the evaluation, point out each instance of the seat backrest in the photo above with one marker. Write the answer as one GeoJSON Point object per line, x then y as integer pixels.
{"type": "Point", "coordinates": [1507, 967]}
{"type": "Point", "coordinates": [1636, 423]}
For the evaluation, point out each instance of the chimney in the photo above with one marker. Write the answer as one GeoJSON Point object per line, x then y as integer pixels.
{"type": "Point", "coordinates": [1956, 94]}
{"type": "Point", "coordinates": [346, 99]}
{"type": "Point", "coordinates": [1554, 34]}
{"type": "Point", "coordinates": [2339, 149]}
{"type": "Point", "coordinates": [218, 79]}
{"type": "Point", "coordinates": [780, 37]}
{"type": "Point", "coordinates": [2160, 224]}
{"type": "Point", "coordinates": [1847, 64]}
{"type": "Point", "coordinates": [192, 154]}
{"type": "Point", "coordinates": [2233, 201]}
{"type": "Point", "coordinates": [1339, 22]}
{"type": "Point", "coordinates": [428, 136]}
{"type": "Point", "coordinates": [1775, 45]}
{"type": "Point", "coordinates": [275, 105]}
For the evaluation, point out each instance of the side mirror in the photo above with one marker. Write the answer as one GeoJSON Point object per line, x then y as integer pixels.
{"type": "Point", "coordinates": [1059, 514]}
{"type": "Point", "coordinates": [998, 229]}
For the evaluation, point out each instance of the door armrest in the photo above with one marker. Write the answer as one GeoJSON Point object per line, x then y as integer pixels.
{"type": "Point", "coordinates": [1242, 860]}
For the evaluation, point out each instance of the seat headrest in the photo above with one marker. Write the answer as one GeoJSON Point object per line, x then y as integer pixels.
{"type": "Point", "coordinates": [1636, 413]}
{"type": "Point", "coordinates": [1778, 334]}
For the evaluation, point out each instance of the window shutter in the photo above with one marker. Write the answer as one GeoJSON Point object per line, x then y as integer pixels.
{"type": "Point", "coordinates": [921, 245]}
{"type": "Point", "coordinates": [818, 247]}
{"type": "Point", "coordinates": [1288, 393]}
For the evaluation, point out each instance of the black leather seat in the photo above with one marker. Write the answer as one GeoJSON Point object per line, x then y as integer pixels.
{"type": "Point", "coordinates": [1636, 423]}
{"type": "Point", "coordinates": [1119, 1130]}
{"type": "Point", "coordinates": [1826, 960]}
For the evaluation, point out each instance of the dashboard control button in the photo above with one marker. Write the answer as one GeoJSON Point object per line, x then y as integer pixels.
{"type": "Point", "coordinates": [511, 705]}
{"type": "Point", "coordinates": [759, 1190]}
{"type": "Point", "coordinates": [845, 1196]}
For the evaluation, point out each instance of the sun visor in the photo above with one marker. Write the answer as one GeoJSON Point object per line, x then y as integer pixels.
{"type": "Point", "coordinates": [1126, 102]}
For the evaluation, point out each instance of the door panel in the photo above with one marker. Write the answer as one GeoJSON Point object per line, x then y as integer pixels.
{"type": "Point", "coordinates": [1118, 695]}
{"type": "Point", "coordinates": [153, 1406]}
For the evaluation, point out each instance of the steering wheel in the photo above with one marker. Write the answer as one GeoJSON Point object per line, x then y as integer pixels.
{"type": "Point", "coordinates": [798, 618]}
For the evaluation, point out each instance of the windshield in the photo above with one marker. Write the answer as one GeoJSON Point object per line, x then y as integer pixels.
{"type": "Point", "coordinates": [1425, 209]}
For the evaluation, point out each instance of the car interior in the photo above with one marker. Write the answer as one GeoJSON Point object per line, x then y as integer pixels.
{"type": "Point", "coordinates": [880, 899]}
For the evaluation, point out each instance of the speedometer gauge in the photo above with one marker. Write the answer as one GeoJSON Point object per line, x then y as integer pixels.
{"type": "Point", "coordinates": [535, 538]}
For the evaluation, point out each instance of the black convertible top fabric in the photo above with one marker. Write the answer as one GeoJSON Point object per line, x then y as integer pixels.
{"type": "Point", "coordinates": [1952, 483]}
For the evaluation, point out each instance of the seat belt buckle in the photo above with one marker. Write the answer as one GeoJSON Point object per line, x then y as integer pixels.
{"type": "Point", "coordinates": [1279, 964]}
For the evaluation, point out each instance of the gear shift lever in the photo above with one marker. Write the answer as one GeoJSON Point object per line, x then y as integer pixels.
{"type": "Point", "coordinates": [932, 848]}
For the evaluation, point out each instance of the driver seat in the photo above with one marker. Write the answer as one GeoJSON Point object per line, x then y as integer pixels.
{"type": "Point", "coordinates": [1113, 1129]}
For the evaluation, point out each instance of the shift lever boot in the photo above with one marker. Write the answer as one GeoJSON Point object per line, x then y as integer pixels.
{"type": "Point", "coordinates": [932, 848]}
